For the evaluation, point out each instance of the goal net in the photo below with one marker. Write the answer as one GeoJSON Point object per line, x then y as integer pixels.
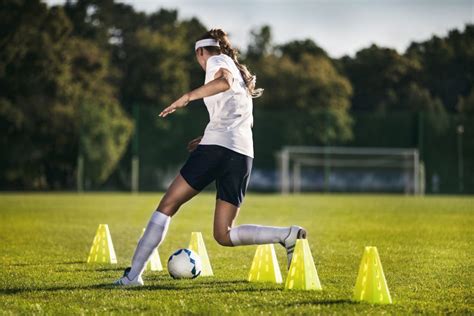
{"type": "Point", "coordinates": [350, 169]}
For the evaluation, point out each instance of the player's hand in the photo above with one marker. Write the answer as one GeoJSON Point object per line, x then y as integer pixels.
{"type": "Point", "coordinates": [180, 103]}
{"type": "Point", "coordinates": [192, 145]}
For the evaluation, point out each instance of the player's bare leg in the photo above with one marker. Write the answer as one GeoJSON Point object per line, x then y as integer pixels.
{"type": "Point", "coordinates": [178, 193]}
{"type": "Point", "coordinates": [227, 235]}
{"type": "Point", "coordinates": [224, 218]}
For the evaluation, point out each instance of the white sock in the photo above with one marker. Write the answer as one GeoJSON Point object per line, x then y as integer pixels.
{"type": "Point", "coordinates": [257, 235]}
{"type": "Point", "coordinates": [154, 233]}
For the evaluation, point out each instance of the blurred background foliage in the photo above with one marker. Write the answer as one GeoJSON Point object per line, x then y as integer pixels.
{"type": "Point", "coordinates": [71, 76]}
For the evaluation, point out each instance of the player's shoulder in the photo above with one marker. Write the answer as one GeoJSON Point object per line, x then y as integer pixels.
{"type": "Point", "coordinates": [219, 60]}
{"type": "Point", "coordinates": [216, 62]}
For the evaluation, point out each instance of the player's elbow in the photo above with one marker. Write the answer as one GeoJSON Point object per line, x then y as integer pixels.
{"type": "Point", "coordinates": [226, 83]}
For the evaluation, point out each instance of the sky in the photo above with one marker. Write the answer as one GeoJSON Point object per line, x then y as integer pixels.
{"type": "Point", "coordinates": [341, 27]}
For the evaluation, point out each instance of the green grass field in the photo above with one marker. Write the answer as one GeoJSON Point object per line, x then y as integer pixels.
{"type": "Point", "coordinates": [426, 246]}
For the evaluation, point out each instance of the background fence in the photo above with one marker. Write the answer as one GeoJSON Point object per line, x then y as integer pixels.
{"type": "Point", "coordinates": [446, 146]}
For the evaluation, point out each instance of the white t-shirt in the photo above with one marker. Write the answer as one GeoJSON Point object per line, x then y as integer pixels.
{"type": "Point", "coordinates": [230, 112]}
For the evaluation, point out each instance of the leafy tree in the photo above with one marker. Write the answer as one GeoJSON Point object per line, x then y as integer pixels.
{"type": "Point", "coordinates": [297, 49]}
{"type": "Point", "coordinates": [444, 62]}
{"type": "Point", "coordinates": [46, 76]}
{"type": "Point", "coordinates": [466, 104]}
{"type": "Point", "coordinates": [300, 78]}
{"type": "Point", "coordinates": [418, 99]}
{"type": "Point", "coordinates": [191, 31]}
{"type": "Point", "coordinates": [378, 75]}
{"type": "Point", "coordinates": [156, 70]}
{"type": "Point", "coordinates": [104, 128]}
{"type": "Point", "coordinates": [154, 54]}
{"type": "Point", "coordinates": [104, 22]}
{"type": "Point", "coordinates": [312, 86]}
{"type": "Point", "coordinates": [31, 76]}
{"type": "Point", "coordinates": [260, 43]}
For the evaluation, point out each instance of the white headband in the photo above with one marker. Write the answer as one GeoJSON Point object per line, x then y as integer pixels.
{"type": "Point", "coordinates": [206, 42]}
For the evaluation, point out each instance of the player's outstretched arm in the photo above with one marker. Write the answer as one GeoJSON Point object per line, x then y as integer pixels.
{"type": "Point", "coordinates": [222, 82]}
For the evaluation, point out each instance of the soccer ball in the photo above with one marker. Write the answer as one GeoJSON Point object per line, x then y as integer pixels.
{"type": "Point", "coordinates": [184, 264]}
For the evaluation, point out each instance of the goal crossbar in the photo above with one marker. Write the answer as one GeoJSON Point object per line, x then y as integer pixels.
{"type": "Point", "coordinates": [294, 157]}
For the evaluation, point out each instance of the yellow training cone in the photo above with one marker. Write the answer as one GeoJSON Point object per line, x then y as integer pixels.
{"type": "Point", "coordinates": [102, 250]}
{"type": "Point", "coordinates": [197, 245]}
{"type": "Point", "coordinates": [265, 266]}
{"type": "Point", "coordinates": [302, 274]}
{"type": "Point", "coordinates": [371, 285]}
{"type": "Point", "coordinates": [154, 263]}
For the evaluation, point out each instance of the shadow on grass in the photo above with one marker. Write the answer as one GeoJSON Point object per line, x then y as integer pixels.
{"type": "Point", "coordinates": [13, 291]}
{"type": "Point", "coordinates": [249, 289]}
{"type": "Point", "coordinates": [320, 302]}
{"type": "Point", "coordinates": [84, 267]}
{"type": "Point", "coordinates": [92, 269]}
{"type": "Point", "coordinates": [203, 281]}
{"type": "Point", "coordinates": [217, 285]}
{"type": "Point", "coordinates": [45, 263]}
{"type": "Point", "coordinates": [188, 285]}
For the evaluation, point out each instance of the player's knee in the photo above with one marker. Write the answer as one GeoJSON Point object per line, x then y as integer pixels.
{"type": "Point", "coordinates": [168, 206]}
{"type": "Point", "coordinates": [222, 239]}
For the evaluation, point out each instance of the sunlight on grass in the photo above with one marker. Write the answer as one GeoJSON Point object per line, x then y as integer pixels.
{"type": "Point", "coordinates": [425, 246]}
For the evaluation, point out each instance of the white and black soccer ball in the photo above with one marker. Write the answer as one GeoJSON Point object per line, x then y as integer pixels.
{"type": "Point", "coordinates": [184, 264]}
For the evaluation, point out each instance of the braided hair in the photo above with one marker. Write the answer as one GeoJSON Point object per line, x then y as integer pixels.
{"type": "Point", "coordinates": [226, 48]}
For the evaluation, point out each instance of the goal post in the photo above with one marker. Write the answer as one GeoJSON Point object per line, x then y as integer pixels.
{"type": "Point", "coordinates": [350, 169]}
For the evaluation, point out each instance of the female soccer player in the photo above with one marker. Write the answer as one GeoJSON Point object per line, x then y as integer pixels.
{"type": "Point", "coordinates": [224, 155]}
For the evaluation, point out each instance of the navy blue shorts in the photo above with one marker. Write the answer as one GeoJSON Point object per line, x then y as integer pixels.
{"type": "Point", "coordinates": [229, 169]}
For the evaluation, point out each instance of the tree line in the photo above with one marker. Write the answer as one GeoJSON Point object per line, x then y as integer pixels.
{"type": "Point", "coordinates": [70, 76]}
